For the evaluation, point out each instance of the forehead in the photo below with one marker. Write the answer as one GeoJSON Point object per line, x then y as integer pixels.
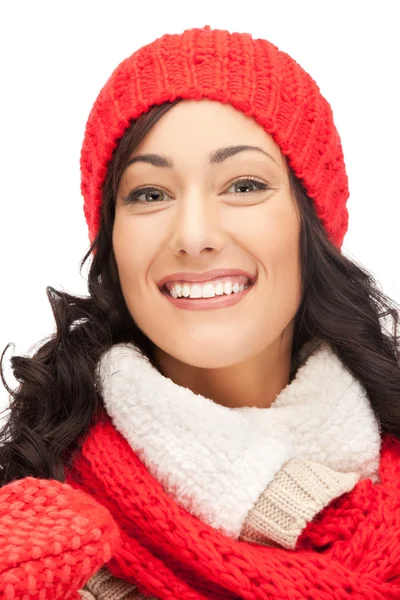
{"type": "Point", "coordinates": [201, 126]}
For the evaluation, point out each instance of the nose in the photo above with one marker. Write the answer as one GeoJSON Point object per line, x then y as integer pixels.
{"type": "Point", "coordinates": [197, 226]}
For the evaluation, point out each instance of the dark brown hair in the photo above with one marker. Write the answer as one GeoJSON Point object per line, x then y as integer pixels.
{"type": "Point", "coordinates": [58, 397]}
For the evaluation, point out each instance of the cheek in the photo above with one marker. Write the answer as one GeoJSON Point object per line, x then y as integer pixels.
{"type": "Point", "coordinates": [133, 253]}
{"type": "Point", "coordinates": [135, 248]}
{"type": "Point", "coordinates": [274, 235]}
{"type": "Point", "coordinates": [276, 246]}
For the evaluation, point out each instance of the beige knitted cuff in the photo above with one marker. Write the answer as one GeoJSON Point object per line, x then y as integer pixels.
{"type": "Point", "coordinates": [103, 585]}
{"type": "Point", "coordinates": [299, 491]}
{"type": "Point", "coordinates": [86, 595]}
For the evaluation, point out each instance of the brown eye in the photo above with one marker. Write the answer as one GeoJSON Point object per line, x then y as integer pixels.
{"type": "Point", "coordinates": [152, 196]}
{"type": "Point", "coordinates": [249, 182]}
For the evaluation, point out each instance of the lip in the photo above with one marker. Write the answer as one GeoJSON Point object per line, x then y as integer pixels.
{"type": "Point", "coordinates": [192, 277]}
{"type": "Point", "coordinates": [214, 303]}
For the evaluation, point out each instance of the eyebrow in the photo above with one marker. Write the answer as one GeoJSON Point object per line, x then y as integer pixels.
{"type": "Point", "coordinates": [216, 157]}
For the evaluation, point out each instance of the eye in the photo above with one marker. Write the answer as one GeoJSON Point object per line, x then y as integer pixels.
{"type": "Point", "coordinates": [152, 196]}
{"type": "Point", "coordinates": [250, 182]}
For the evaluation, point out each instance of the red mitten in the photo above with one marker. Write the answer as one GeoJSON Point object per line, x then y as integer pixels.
{"type": "Point", "coordinates": [53, 538]}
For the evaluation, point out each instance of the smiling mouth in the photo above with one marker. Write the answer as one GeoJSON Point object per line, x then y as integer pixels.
{"type": "Point", "coordinates": [237, 292]}
{"type": "Point", "coordinates": [218, 300]}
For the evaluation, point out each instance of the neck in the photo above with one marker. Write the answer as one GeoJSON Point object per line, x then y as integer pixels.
{"type": "Point", "coordinates": [254, 382]}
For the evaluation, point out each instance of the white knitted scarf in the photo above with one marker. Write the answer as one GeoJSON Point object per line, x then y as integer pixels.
{"type": "Point", "coordinates": [215, 461]}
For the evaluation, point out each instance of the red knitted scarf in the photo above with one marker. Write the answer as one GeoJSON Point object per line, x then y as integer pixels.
{"type": "Point", "coordinates": [352, 549]}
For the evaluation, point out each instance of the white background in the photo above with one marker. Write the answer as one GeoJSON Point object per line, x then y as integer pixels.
{"type": "Point", "coordinates": [55, 57]}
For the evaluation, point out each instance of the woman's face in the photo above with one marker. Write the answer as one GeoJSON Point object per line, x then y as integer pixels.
{"type": "Point", "coordinates": [198, 216]}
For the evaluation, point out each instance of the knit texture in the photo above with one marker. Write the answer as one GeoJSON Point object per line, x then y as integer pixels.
{"type": "Point", "coordinates": [51, 539]}
{"type": "Point", "coordinates": [55, 536]}
{"type": "Point", "coordinates": [352, 549]}
{"type": "Point", "coordinates": [299, 491]}
{"type": "Point", "coordinates": [104, 586]}
{"type": "Point", "coordinates": [294, 497]}
{"type": "Point", "coordinates": [252, 75]}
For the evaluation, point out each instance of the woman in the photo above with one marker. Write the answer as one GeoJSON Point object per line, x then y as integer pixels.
{"type": "Point", "coordinates": [220, 417]}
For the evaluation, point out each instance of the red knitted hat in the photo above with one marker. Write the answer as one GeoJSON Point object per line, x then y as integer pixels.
{"type": "Point", "coordinates": [252, 75]}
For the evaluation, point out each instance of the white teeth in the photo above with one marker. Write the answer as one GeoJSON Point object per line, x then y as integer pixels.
{"type": "Point", "coordinates": [207, 290]}
{"type": "Point", "coordinates": [219, 289]}
{"type": "Point", "coordinates": [195, 291]}
{"type": "Point", "coordinates": [227, 287]}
